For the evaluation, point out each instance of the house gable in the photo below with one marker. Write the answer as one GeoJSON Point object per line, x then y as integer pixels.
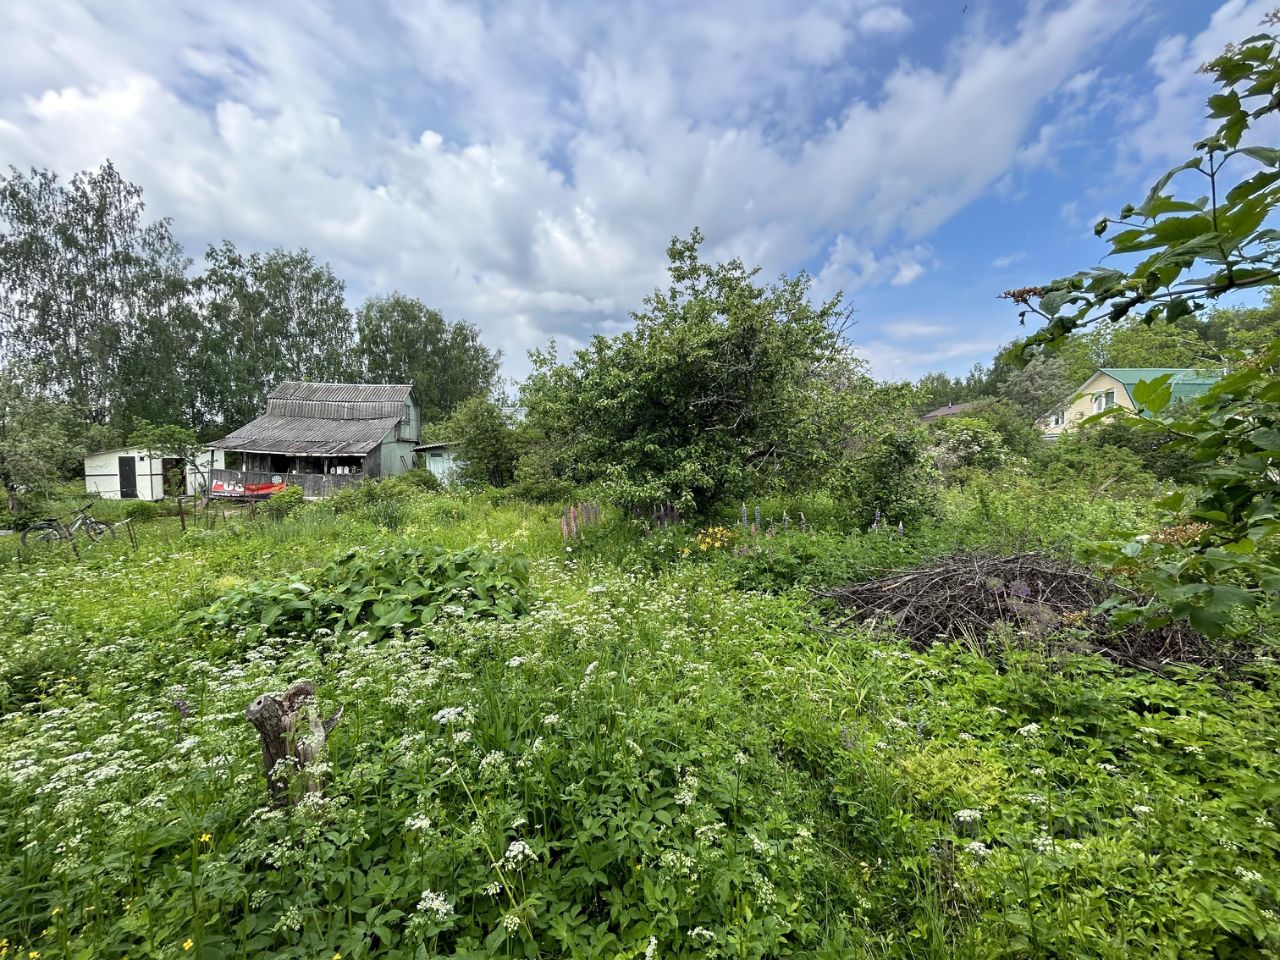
{"type": "Point", "coordinates": [1094, 395]}
{"type": "Point", "coordinates": [1111, 386]}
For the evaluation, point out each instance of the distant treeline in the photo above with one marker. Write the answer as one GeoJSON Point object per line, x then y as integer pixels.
{"type": "Point", "coordinates": [104, 316]}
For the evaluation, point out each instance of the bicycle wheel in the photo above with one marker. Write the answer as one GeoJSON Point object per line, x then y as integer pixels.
{"type": "Point", "coordinates": [97, 529]}
{"type": "Point", "coordinates": [40, 533]}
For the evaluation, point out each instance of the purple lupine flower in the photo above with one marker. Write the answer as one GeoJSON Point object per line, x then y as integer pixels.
{"type": "Point", "coordinates": [744, 514]}
{"type": "Point", "coordinates": [183, 708]}
{"type": "Point", "coordinates": [1020, 588]}
{"type": "Point", "coordinates": [900, 528]}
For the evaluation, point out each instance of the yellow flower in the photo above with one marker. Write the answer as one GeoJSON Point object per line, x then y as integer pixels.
{"type": "Point", "coordinates": [33, 955]}
{"type": "Point", "coordinates": [337, 956]}
{"type": "Point", "coordinates": [55, 911]}
{"type": "Point", "coordinates": [188, 943]}
{"type": "Point", "coordinates": [206, 838]}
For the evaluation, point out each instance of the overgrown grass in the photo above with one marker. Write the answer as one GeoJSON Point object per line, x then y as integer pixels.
{"type": "Point", "coordinates": [666, 756]}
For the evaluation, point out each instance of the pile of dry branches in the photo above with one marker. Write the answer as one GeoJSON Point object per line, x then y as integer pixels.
{"type": "Point", "coordinates": [1027, 599]}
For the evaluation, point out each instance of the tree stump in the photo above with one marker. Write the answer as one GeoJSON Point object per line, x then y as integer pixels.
{"type": "Point", "coordinates": [293, 736]}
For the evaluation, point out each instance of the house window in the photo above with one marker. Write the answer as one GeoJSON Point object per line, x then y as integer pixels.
{"type": "Point", "coordinates": [407, 419]}
{"type": "Point", "coordinates": [1058, 419]}
{"type": "Point", "coordinates": [1104, 401]}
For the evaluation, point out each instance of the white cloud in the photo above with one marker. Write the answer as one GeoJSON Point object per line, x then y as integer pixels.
{"type": "Point", "coordinates": [851, 266]}
{"type": "Point", "coordinates": [525, 166]}
{"type": "Point", "coordinates": [1008, 260]}
{"type": "Point", "coordinates": [907, 273]}
{"type": "Point", "coordinates": [1173, 117]}
{"type": "Point", "coordinates": [900, 361]}
{"type": "Point", "coordinates": [911, 329]}
{"type": "Point", "coordinates": [884, 19]}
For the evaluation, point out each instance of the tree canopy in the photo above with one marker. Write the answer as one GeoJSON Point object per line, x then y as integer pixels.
{"type": "Point", "coordinates": [264, 318]}
{"type": "Point", "coordinates": [88, 289]}
{"type": "Point", "coordinates": [402, 340]}
{"type": "Point", "coordinates": [722, 382]}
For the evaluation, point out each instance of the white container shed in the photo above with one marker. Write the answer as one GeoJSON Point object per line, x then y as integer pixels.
{"type": "Point", "coordinates": [129, 473]}
{"type": "Point", "coordinates": [441, 459]}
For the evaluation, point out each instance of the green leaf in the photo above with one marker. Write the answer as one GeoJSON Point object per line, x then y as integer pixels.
{"type": "Point", "coordinates": [1265, 438]}
{"type": "Point", "coordinates": [1157, 190]}
{"type": "Point", "coordinates": [1153, 395]}
{"type": "Point", "coordinates": [1247, 188]}
{"type": "Point", "coordinates": [1270, 156]}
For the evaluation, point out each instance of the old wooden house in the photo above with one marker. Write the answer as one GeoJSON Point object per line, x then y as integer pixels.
{"type": "Point", "coordinates": [320, 437]}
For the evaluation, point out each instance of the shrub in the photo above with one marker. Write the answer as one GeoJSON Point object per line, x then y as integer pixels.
{"type": "Point", "coordinates": [1074, 460]}
{"type": "Point", "coordinates": [536, 479]}
{"type": "Point", "coordinates": [280, 505]}
{"type": "Point", "coordinates": [485, 443]}
{"type": "Point", "coordinates": [387, 513]}
{"type": "Point", "coordinates": [368, 492]}
{"type": "Point", "coordinates": [141, 510]}
{"type": "Point", "coordinates": [1153, 451]}
{"type": "Point", "coordinates": [420, 478]}
{"type": "Point", "coordinates": [895, 482]}
{"type": "Point", "coordinates": [1020, 435]}
{"type": "Point", "coordinates": [961, 443]}
{"type": "Point", "coordinates": [376, 591]}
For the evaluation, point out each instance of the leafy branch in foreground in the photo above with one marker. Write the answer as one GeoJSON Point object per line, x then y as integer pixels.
{"type": "Point", "coordinates": [1216, 555]}
{"type": "Point", "coordinates": [1220, 235]}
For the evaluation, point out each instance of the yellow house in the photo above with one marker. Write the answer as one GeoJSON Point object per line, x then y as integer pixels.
{"type": "Point", "coordinates": [1112, 387]}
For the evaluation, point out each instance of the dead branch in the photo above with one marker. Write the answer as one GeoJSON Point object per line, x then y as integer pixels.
{"type": "Point", "coordinates": [1036, 599]}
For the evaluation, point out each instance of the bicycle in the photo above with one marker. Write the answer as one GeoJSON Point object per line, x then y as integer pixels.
{"type": "Point", "coordinates": [52, 529]}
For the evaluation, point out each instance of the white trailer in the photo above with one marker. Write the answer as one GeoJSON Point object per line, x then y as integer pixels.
{"type": "Point", "coordinates": [128, 473]}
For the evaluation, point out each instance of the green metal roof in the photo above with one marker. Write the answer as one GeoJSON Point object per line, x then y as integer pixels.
{"type": "Point", "coordinates": [1131, 375]}
{"type": "Point", "coordinates": [1184, 382]}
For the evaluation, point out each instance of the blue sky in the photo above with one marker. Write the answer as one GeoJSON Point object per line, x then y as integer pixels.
{"type": "Point", "coordinates": [524, 165]}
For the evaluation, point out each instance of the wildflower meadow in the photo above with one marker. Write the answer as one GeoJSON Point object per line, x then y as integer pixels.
{"type": "Point", "coordinates": [634, 741]}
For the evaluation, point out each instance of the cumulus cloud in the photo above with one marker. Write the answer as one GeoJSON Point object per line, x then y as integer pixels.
{"type": "Point", "coordinates": [1173, 116]}
{"type": "Point", "coordinates": [884, 19]}
{"type": "Point", "coordinates": [851, 266]}
{"type": "Point", "coordinates": [894, 358]}
{"type": "Point", "coordinates": [524, 166]}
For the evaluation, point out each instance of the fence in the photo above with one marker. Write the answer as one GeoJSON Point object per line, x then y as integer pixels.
{"type": "Point", "coordinates": [253, 484]}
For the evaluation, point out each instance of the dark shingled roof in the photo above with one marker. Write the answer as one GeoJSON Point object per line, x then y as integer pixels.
{"type": "Point", "coordinates": [950, 410]}
{"type": "Point", "coordinates": [322, 419]}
